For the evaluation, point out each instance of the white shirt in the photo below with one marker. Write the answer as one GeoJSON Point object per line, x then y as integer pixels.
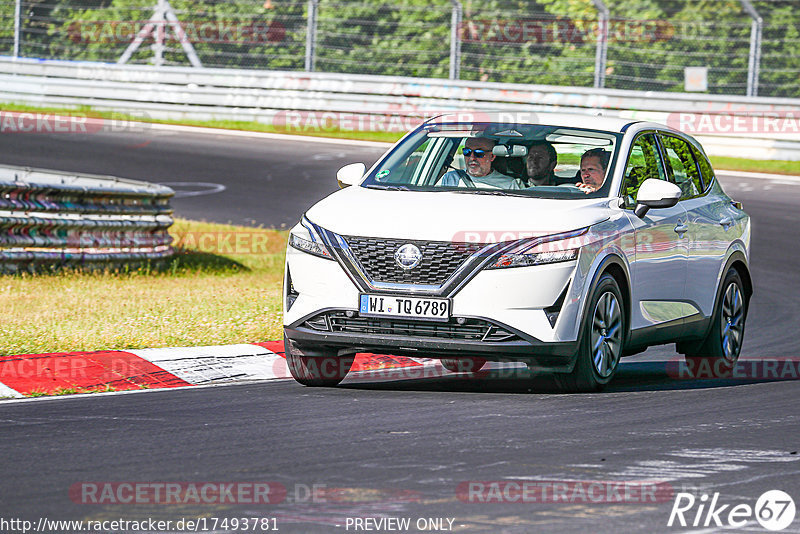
{"type": "Point", "coordinates": [492, 180]}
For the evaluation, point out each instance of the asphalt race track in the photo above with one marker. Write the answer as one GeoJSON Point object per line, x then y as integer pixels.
{"type": "Point", "coordinates": [401, 447]}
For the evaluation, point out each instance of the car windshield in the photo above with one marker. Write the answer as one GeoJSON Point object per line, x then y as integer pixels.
{"type": "Point", "coordinates": [501, 159]}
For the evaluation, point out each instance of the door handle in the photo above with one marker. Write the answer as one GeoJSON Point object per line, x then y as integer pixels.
{"type": "Point", "coordinates": [726, 222]}
{"type": "Point", "coordinates": [681, 229]}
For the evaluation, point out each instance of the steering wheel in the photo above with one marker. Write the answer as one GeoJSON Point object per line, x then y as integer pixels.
{"type": "Point", "coordinates": [570, 187]}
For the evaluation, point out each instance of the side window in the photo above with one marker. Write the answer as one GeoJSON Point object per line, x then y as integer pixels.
{"type": "Point", "coordinates": [420, 166]}
{"type": "Point", "coordinates": [408, 167]}
{"type": "Point", "coordinates": [682, 166]}
{"type": "Point", "coordinates": [705, 168]}
{"type": "Point", "coordinates": [644, 162]}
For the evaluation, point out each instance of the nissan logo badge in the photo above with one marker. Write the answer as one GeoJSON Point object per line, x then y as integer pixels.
{"type": "Point", "coordinates": [408, 256]}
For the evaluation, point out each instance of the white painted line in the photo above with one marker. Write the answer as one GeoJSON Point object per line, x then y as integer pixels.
{"type": "Point", "coordinates": [6, 391]}
{"type": "Point", "coordinates": [724, 455]}
{"type": "Point", "coordinates": [760, 176]}
{"type": "Point", "coordinates": [204, 365]}
{"type": "Point", "coordinates": [129, 392]}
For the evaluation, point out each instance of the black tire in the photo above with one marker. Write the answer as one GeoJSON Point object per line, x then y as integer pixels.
{"type": "Point", "coordinates": [463, 365]}
{"type": "Point", "coordinates": [601, 340]}
{"type": "Point", "coordinates": [327, 370]}
{"type": "Point", "coordinates": [719, 351]}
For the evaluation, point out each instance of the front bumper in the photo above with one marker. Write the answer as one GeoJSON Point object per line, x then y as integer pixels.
{"type": "Point", "coordinates": [552, 356]}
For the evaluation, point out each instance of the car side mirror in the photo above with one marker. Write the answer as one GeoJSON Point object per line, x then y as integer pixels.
{"type": "Point", "coordinates": [656, 194]}
{"type": "Point", "coordinates": [350, 174]}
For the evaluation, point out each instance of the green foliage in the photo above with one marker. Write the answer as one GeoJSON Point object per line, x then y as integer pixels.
{"type": "Point", "coordinates": [406, 38]}
{"type": "Point", "coordinates": [6, 26]}
{"type": "Point", "coordinates": [235, 33]}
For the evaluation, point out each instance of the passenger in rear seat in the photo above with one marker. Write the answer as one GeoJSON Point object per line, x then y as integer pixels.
{"type": "Point", "coordinates": [540, 162]}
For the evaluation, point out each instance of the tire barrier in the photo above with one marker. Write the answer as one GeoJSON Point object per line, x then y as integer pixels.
{"type": "Point", "coordinates": [52, 220]}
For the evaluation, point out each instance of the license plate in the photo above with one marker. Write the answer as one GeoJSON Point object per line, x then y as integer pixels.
{"type": "Point", "coordinates": [410, 307]}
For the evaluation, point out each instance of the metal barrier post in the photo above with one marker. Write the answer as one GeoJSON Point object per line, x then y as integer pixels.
{"type": "Point", "coordinates": [17, 24]}
{"type": "Point", "coordinates": [601, 54]}
{"type": "Point", "coordinates": [455, 40]}
{"type": "Point", "coordinates": [311, 35]}
{"type": "Point", "coordinates": [754, 59]}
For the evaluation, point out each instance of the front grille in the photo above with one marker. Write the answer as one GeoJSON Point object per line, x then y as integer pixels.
{"type": "Point", "coordinates": [470, 330]}
{"type": "Point", "coordinates": [440, 259]}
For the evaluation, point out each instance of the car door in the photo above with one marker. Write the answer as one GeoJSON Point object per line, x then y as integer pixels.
{"type": "Point", "coordinates": [658, 267]}
{"type": "Point", "coordinates": [709, 219]}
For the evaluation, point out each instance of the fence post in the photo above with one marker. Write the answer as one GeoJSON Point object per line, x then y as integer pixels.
{"type": "Point", "coordinates": [601, 53]}
{"type": "Point", "coordinates": [311, 35]}
{"type": "Point", "coordinates": [455, 40]}
{"type": "Point", "coordinates": [160, 29]}
{"type": "Point", "coordinates": [163, 17]}
{"type": "Point", "coordinates": [754, 59]}
{"type": "Point", "coordinates": [17, 25]}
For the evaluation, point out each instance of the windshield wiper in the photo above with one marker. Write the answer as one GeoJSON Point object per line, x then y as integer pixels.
{"type": "Point", "coordinates": [388, 187]}
{"type": "Point", "coordinates": [497, 192]}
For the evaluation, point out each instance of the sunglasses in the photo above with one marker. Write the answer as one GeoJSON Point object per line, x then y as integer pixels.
{"type": "Point", "coordinates": [478, 153]}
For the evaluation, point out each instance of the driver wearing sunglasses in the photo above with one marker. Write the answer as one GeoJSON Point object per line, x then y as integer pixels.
{"type": "Point", "coordinates": [478, 158]}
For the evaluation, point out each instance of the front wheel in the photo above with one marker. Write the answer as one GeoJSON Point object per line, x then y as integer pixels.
{"type": "Point", "coordinates": [720, 350]}
{"type": "Point", "coordinates": [601, 342]}
{"type": "Point", "coordinates": [463, 365]}
{"type": "Point", "coordinates": [326, 370]}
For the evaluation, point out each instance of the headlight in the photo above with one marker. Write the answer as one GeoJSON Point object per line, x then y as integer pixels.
{"type": "Point", "coordinates": [309, 241]}
{"type": "Point", "coordinates": [542, 250]}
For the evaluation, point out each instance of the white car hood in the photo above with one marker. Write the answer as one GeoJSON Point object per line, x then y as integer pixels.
{"type": "Point", "coordinates": [449, 216]}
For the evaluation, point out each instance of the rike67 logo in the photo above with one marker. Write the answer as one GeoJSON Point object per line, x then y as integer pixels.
{"type": "Point", "coordinates": [774, 510]}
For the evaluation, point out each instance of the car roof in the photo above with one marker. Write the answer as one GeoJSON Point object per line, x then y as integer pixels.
{"type": "Point", "coordinates": [574, 120]}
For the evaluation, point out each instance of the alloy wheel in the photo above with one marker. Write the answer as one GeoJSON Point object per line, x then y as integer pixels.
{"type": "Point", "coordinates": [606, 334]}
{"type": "Point", "coordinates": [732, 322]}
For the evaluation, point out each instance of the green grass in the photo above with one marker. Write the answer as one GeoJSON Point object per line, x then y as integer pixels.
{"type": "Point", "coordinates": [69, 391]}
{"type": "Point", "coordinates": [719, 162]}
{"type": "Point", "coordinates": [204, 295]}
{"type": "Point", "coordinates": [768, 166]}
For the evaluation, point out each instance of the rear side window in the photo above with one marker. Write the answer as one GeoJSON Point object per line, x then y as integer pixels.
{"type": "Point", "coordinates": [644, 162]}
{"type": "Point", "coordinates": [705, 168]}
{"type": "Point", "coordinates": [681, 166]}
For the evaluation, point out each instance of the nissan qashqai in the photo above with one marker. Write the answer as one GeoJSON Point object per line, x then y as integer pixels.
{"type": "Point", "coordinates": [452, 246]}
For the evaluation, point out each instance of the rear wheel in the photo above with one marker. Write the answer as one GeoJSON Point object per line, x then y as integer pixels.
{"type": "Point", "coordinates": [601, 341]}
{"type": "Point", "coordinates": [720, 350]}
{"type": "Point", "coordinates": [463, 365]}
{"type": "Point", "coordinates": [325, 370]}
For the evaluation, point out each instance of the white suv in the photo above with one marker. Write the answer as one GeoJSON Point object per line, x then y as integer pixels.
{"type": "Point", "coordinates": [427, 255]}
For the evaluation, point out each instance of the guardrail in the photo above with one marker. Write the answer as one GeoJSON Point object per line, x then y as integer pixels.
{"type": "Point", "coordinates": [256, 95]}
{"type": "Point", "coordinates": [51, 219]}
